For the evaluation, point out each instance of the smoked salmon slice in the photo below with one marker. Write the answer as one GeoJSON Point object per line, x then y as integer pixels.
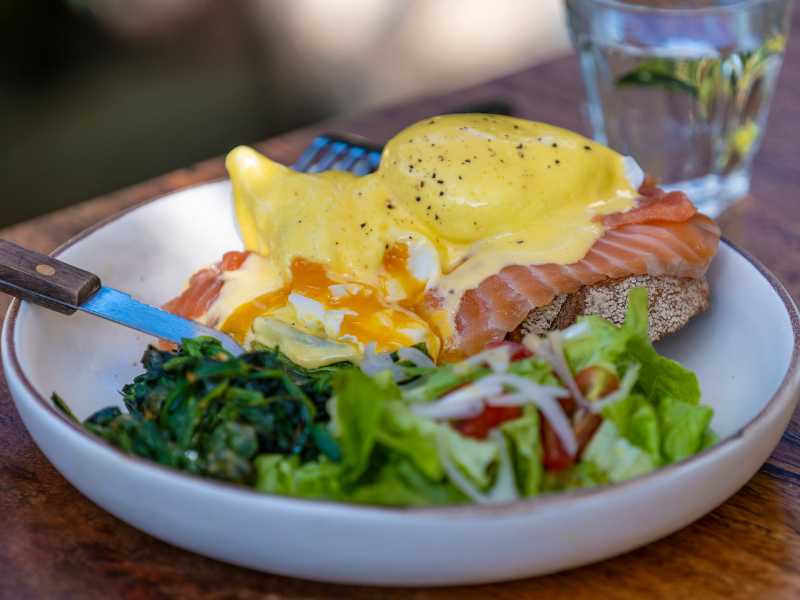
{"type": "Point", "coordinates": [663, 236]}
{"type": "Point", "coordinates": [204, 287]}
{"type": "Point", "coordinates": [674, 206]}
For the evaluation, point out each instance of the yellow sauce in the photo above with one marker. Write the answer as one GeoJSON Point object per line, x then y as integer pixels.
{"type": "Point", "coordinates": [484, 191]}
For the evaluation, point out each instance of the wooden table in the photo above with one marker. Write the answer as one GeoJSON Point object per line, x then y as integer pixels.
{"type": "Point", "coordinates": [54, 543]}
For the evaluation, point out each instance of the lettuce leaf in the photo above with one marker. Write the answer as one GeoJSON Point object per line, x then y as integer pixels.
{"type": "Point", "coordinates": [669, 431]}
{"type": "Point", "coordinates": [637, 315]}
{"type": "Point", "coordinates": [602, 344]}
{"type": "Point", "coordinates": [636, 421]}
{"type": "Point", "coordinates": [285, 475]}
{"type": "Point", "coordinates": [684, 427]}
{"type": "Point", "coordinates": [535, 369]}
{"type": "Point", "coordinates": [400, 483]}
{"type": "Point", "coordinates": [659, 376]}
{"type": "Point", "coordinates": [615, 456]}
{"type": "Point", "coordinates": [584, 474]}
{"type": "Point", "coordinates": [417, 438]}
{"type": "Point", "coordinates": [609, 458]}
{"type": "Point", "coordinates": [411, 436]}
{"type": "Point", "coordinates": [644, 430]}
{"type": "Point", "coordinates": [709, 439]}
{"type": "Point", "coordinates": [525, 447]}
{"type": "Point", "coordinates": [473, 457]}
{"type": "Point", "coordinates": [358, 412]}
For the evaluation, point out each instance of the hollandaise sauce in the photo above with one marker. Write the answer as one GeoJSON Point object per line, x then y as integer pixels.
{"type": "Point", "coordinates": [455, 199]}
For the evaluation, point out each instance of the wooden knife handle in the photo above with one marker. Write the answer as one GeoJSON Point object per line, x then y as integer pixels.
{"type": "Point", "coordinates": [44, 280]}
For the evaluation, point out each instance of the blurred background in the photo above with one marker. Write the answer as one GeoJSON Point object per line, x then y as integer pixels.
{"type": "Point", "coordinates": [96, 95]}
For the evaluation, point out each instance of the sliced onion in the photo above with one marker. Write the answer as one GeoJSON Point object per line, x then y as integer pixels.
{"type": "Point", "coordinates": [463, 403]}
{"type": "Point", "coordinates": [377, 362]}
{"type": "Point", "coordinates": [509, 400]}
{"type": "Point", "coordinates": [625, 387]}
{"type": "Point", "coordinates": [522, 399]}
{"type": "Point", "coordinates": [562, 369]}
{"type": "Point", "coordinates": [545, 398]}
{"type": "Point", "coordinates": [551, 350]}
{"type": "Point", "coordinates": [497, 359]}
{"type": "Point", "coordinates": [417, 357]}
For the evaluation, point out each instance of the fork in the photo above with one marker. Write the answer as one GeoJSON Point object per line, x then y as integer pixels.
{"type": "Point", "coordinates": [358, 155]}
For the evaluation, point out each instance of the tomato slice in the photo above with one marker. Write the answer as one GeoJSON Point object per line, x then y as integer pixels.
{"type": "Point", "coordinates": [585, 425]}
{"type": "Point", "coordinates": [480, 425]}
{"type": "Point", "coordinates": [594, 382]}
{"type": "Point", "coordinates": [554, 456]}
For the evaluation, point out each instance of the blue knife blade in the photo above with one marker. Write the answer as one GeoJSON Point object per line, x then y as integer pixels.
{"type": "Point", "coordinates": [122, 308]}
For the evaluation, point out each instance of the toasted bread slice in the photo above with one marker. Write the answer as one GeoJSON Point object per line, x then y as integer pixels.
{"type": "Point", "coordinates": [673, 301]}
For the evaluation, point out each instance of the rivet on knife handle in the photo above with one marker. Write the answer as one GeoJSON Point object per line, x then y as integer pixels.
{"type": "Point", "coordinates": [43, 279]}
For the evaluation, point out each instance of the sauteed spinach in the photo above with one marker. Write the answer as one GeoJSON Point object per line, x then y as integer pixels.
{"type": "Point", "coordinates": [202, 410]}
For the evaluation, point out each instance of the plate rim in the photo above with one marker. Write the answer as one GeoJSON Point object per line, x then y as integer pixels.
{"type": "Point", "coordinates": [784, 393]}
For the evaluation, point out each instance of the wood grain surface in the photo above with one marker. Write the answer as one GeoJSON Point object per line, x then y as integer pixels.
{"type": "Point", "coordinates": [57, 544]}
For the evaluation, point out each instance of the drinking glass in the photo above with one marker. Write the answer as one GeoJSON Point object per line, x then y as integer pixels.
{"type": "Point", "coordinates": [682, 86]}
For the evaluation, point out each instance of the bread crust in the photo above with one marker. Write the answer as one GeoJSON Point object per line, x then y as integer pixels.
{"type": "Point", "coordinates": [673, 301]}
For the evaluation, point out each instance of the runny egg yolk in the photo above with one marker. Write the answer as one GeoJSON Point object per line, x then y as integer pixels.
{"type": "Point", "coordinates": [396, 265]}
{"type": "Point", "coordinates": [455, 199]}
{"type": "Point", "coordinates": [361, 315]}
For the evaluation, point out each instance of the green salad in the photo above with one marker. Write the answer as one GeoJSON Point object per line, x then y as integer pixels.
{"type": "Point", "coordinates": [589, 405]}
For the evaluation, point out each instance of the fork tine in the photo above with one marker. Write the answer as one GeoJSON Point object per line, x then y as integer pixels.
{"type": "Point", "coordinates": [361, 167]}
{"type": "Point", "coordinates": [374, 159]}
{"type": "Point", "coordinates": [341, 154]}
{"type": "Point", "coordinates": [348, 160]}
{"type": "Point", "coordinates": [308, 155]}
{"type": "Point", "coordinates": [367, 163]}
{"type": "Point", "coordinates": [325, 163]}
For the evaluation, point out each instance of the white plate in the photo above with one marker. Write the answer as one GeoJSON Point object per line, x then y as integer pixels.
{"type": "Point", "coordinates": [745, 350]}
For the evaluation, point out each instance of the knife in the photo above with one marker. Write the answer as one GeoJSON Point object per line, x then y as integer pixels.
{"type": "Point", "coordinates": [48, 282]}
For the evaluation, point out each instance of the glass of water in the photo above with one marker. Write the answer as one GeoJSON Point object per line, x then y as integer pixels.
{"type": "Point", "coordinates": [683, 86]}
